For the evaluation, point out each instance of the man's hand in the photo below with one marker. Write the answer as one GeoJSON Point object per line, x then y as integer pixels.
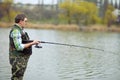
{"type": "Point", "coordinates": [35, 42]}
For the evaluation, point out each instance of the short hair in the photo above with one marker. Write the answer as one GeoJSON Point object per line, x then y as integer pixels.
{"type": "Point", "coordinates": [20, 17]}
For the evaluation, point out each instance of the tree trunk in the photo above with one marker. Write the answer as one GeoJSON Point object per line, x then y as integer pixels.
{"type": "Point", "coordinates": [105, 7]}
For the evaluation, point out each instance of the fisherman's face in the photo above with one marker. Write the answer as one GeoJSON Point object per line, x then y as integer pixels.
{"type": "Point", "coordinates": [23, 22]}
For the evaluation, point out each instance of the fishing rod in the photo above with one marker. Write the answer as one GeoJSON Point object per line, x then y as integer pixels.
{"type": "Point", "coordinates": [71, 45]}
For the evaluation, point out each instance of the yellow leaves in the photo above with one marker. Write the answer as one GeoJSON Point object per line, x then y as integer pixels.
{"type": "Point", "coordinates": [66, 5]}
{"type": "Point", "coordinates": [8, 1]}
{"type": "Point", "coordinates": [79, 10]}
{"type": "Point", "coordinates": [6, 10]}
{"type": "Point", "coordinates": [109, 16]}
{"type": "Point", "coordinates": [12, 14]}
{"type": "Point", "coordinates": [110, 7]}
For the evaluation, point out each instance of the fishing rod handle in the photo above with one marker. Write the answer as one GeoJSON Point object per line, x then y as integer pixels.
{"type": "Point", "coordinates": [27, 41]}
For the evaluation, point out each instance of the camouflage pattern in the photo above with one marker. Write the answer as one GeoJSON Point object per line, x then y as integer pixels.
{"type": "Point", "coordinates": [19, 64]}
{"type": "Point", "coordinates": [18, 59]}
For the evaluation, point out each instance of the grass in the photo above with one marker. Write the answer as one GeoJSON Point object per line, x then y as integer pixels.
{"type": "Point", "coordinates": [5, 24]}
{"type": "Point", "coordinates": [53, 26]}
{"type": "Point", "coordinates": [71, 27]}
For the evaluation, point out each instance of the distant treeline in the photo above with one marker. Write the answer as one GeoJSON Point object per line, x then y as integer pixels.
{"type": "Point", "coordinates": [67, 12]}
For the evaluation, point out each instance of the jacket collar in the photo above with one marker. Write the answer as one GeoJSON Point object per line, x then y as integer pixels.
{"type": "Point", "coordinates": [17, 26]}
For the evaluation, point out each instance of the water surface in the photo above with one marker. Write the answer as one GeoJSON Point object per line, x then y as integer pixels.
{"type": "Point", "coordinates": [54, 62]}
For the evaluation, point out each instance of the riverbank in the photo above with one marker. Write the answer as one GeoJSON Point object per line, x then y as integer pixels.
{"type": "Point", "coordinates": [72, 27]}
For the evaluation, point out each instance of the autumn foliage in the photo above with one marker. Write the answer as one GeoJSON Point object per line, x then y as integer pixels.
{"type": "Point", "coordinates": [82, 12]}
{"type": "Point", "coordinates": [7, 13]}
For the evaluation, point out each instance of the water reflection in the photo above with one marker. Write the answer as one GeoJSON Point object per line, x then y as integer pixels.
{"type": "Point", "coordinates": [68, 63]}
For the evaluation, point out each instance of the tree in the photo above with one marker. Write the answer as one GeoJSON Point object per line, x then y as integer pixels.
{"type": "Point", "coordinates": [109, 17]}
{"type": "Point", "coordinates": [7, 8]}
{"type": "Point", "coordinates": [52, 6]}
{"type": "Point", "coordinates": [105, 5]}
{"type": "Point", "coordinates": [81, 13]}
{"type": "Point", "coordinates": [67, 10]}
{"type": "Point", "coordinates": [91, 13]}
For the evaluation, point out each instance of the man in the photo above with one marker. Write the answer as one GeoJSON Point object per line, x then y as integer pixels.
{"type": "Point", "coordinates": [19, 52]}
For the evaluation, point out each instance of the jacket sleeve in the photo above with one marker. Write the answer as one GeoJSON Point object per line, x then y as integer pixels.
{"type": "Point", "coordinates": [17, 40]}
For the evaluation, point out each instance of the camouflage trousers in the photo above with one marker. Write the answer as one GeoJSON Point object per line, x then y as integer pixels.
{"type": "Point", "coordinates": [18, 64]}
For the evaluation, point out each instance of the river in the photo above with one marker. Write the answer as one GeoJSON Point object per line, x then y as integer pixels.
{"type": "Point", "coordinates": [56, 62]}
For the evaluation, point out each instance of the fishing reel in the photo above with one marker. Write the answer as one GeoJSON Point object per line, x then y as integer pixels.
{"type": "Point", "coordinates": [38, 46]}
